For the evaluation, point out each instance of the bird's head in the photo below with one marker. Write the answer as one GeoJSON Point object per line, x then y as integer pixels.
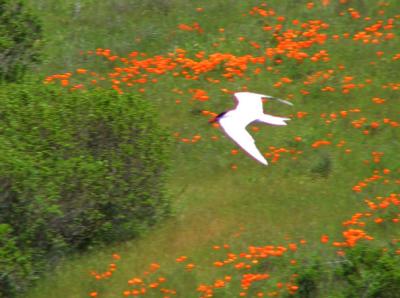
{"type": "Point", "coordinates": [217, 118]}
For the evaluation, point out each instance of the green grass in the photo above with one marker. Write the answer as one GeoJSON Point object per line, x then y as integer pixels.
{"type": "Point", "coordinates": [285, 202]}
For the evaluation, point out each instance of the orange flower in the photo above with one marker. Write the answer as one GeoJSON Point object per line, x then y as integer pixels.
{"type": "Point", "coordinates": [301, 114]}
{"type": "Point", "coordinates": [154, 285]}
{"type": "Point", "coordinates": [219, 283]}
{"type": "Point", "coordinates": [374, 125]}
{"type": "Point", "coordinates": [324, 238]}
{"type": "Point", "coordinates": [325, 2]}
{"type": "Point", "coordinates": [184, 27]}
{"type": "Point", "coordinates": [319, 143]}
{"type": "Point", "coordinates": [181, 259]}
{"type": "Point", "coordinates": [154, 267]}
{"type": "Point", "coordinates": [292, 246]}
{"type": "Point", "coordinates": [218, 264]}
{"type": "Point", "coordinates": [81, 70]}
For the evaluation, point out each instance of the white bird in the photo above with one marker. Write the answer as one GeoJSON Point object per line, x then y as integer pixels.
{"type": "Point", "coordinates": [249, 108]}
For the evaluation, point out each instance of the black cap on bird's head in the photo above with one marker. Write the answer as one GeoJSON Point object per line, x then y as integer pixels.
{"type": "Point", "coordinates": [216, 118]}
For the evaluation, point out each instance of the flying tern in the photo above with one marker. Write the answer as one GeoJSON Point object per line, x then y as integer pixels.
{"type": "Point", "coordinates": [249, 108]}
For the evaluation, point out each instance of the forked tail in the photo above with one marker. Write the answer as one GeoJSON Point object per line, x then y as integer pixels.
{"type": "Point", "coordinates": [273, 120]}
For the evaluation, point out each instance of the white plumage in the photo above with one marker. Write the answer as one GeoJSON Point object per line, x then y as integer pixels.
{"type": "Point", "coordinates": [249, 108]}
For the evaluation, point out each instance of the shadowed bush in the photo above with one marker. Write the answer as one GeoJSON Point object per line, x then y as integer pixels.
{"type": "Point", "coordinates": [15, 266]}
{"type": "Point", "coordinates": [77, 169]}
{"type": "Point", "coordinates": [371, 273]}
{"type": "Point", "coordinates": [364, 271]}
{"type": "Point", "coordinates": [20, 35]}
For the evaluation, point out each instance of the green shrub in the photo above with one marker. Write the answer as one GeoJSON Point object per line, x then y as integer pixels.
{"type": "Point", "coordinates": [78, 168]}
{"type": "Point", "coordinates": [363, 272]}
{"type": "Point", "coordinates": [371, 273]}
{"type": "Point", "coordinates": [321, 165]}
{"type": "Point", "coordinates": [308, 280]}
{"type": "Point", "coordinates": [20, 36]}
{"type": "Point", "coordinates": [15, 264]}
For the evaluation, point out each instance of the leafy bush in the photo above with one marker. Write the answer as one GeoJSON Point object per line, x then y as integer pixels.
{"type": "Point", "coordinates": [363, 272]}
{"type": "Point", "coordinates": [371, 273]}
{"type": "Point", "coordinates": [14, 264]}
{"type": "Point", "coordinates": [309, 279]}
{"type": "Point", "coordinates": [77, 169]}
{"type": "Point", "coordinates": [20, 35]}
{"type": "Point", "coordinates": [322, 165]}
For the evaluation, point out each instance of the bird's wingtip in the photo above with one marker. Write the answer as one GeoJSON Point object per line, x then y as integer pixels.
{"type": "Point", "coordinates": [284, 101]}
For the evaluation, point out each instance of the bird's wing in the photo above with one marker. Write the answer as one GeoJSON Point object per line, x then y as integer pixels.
{"type": "Point", "coordinates": [248, 103]}
{"type": "Point", "coordinates": [277, 99]}
{"type": "Point", "coordinates": [282, 101]}
{"type": "Point", "coordinates": [240, 136]}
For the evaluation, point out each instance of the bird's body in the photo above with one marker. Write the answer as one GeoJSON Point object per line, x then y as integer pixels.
{"type": "Point", "coordinates": [249, 108]}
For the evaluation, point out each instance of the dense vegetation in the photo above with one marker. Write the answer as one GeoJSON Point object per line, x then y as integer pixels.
{"type": "Point", "coordinates": [20, 40]}
{"type": "Point", "coordinates": [320, 221]}
{"type": "Point", "coordinates": [364, 271]}
{"type": "Point", "coordinates": [77, 169]}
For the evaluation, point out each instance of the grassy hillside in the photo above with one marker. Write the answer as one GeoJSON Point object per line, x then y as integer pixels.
{"type": "Point", "coordinates": [337, 61]}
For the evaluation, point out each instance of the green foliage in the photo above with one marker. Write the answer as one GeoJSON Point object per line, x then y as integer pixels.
{"type": "Point", "coordinates": [14, 264]}
{"type": "Point", "coordinates": [77, 169]}
{"type": "Point", "coordinates": [309, 279]}
{"type": "Point", "coordinates": [20, 37]}
{"type": "Point", "coordinates": [371, 273]}
{"type": "Point", "coordinates": [322, 165]}
{"type": "Point", "coordinates": [364, 272]}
